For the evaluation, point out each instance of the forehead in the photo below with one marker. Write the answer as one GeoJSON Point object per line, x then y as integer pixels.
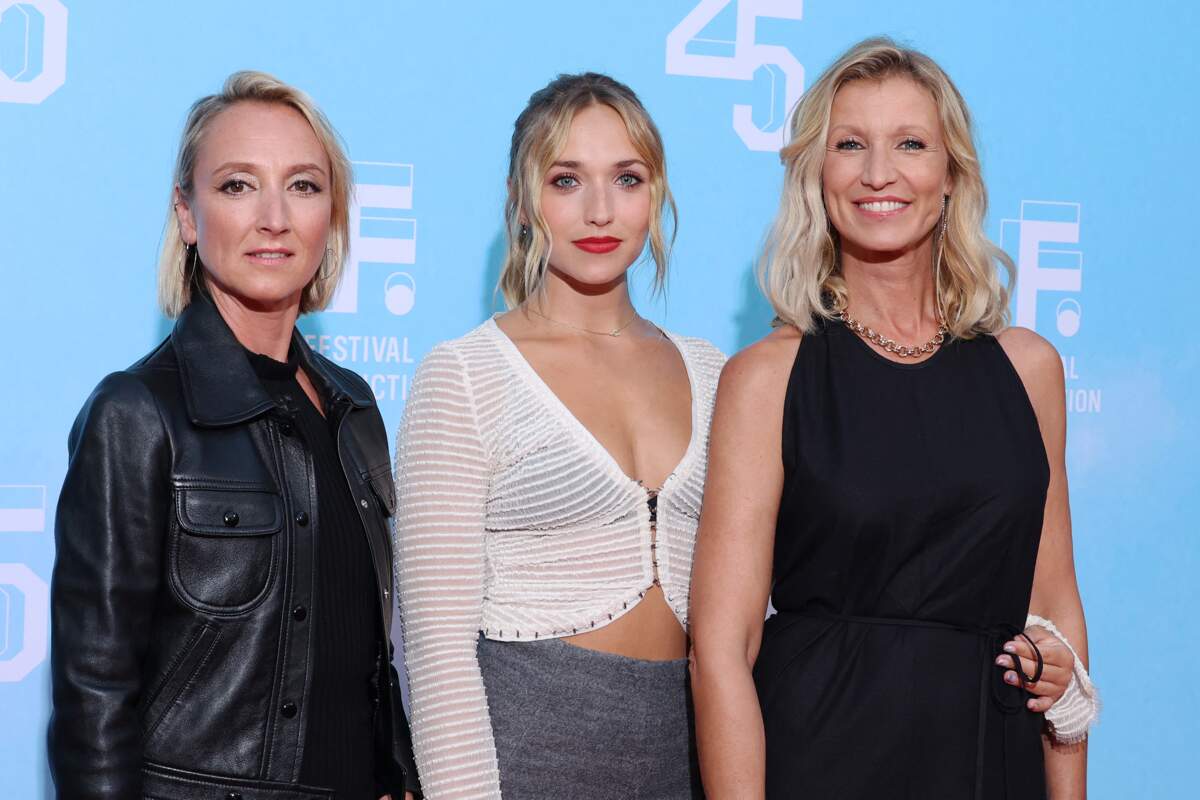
{"type": "Point", "coordinates": [892, 101]}
{"type": "Point", "coordinates": [261, 133]}
{"type": "Point", "coordinates": [598, 132]}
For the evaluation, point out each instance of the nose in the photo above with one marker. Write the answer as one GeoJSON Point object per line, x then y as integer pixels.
{"type": "Point", "coordinates": [878, 169]}
{"type": "Point", "coordinates": [599, 208]}
{"type": "Point", "coordinates": [273, 212]}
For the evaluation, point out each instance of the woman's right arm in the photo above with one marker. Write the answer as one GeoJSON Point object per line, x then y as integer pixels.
{"type": "Point", "coordinates": [109, 531]}
{"type": "Point", "coordinates": [731, 576]}
{"type": "Point", "coordinates": [442, 477]}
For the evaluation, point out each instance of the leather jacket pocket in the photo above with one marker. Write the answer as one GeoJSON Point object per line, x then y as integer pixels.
{"type": "Point", "coordinates": [225, 551]}
{"type": "Point", "coordinates": [181, 672]}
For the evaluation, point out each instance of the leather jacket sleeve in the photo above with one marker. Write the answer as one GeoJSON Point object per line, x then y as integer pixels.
{"type": "Point", "coordinates": [109, 532]}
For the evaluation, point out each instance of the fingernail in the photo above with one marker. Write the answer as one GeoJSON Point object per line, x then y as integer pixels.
{"type": "Point", "coordinates": [1010, 679]}
{"type": "Point", "coordinates": [1000, 661]}
{"type": "Point", "coordinates": [1010, 648]}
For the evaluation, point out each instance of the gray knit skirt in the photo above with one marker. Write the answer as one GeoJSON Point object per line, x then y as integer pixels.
{"type": "Point", "coordinates": [576, 723]}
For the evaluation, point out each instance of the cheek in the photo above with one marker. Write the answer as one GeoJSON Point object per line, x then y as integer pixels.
{"type": "Point", "coordinates": [558, 210]}
{"type": "Point", "coordinates": [312, 222]}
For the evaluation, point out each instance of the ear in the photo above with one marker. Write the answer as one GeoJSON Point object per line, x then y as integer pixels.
{"type": "Point", "coordinates": [185, 218]}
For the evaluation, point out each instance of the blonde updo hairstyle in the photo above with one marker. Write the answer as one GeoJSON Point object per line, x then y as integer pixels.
{"type": "Point", "coordinates": [800, 270]}
{"type": "Point", "coordinates": [539, 136]}
{"type": "Point", "coordinates": [180, 275]}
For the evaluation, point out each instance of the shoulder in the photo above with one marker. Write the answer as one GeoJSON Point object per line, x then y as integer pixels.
{"type": "Point", "coordinates": [763, 366]}
{"type": "Point", "coordinates": [124, 406]}
{"type": "Point", "coordinates": [1035, 359]}
{"type": "Point", "coordinates": [476, 348]}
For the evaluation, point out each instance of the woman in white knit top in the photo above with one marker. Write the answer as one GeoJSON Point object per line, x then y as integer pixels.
{"type": "Point", "coordinates": [550, 468]}
{"type": "Point", "coordinates": [550, 465]}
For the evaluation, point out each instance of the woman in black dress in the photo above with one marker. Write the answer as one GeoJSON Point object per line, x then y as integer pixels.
{"type": "Point", "coordinates": [905, 506]}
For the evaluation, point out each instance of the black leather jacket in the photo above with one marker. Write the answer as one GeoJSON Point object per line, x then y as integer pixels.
{"type": "Point", "coordinates": [182, 590]}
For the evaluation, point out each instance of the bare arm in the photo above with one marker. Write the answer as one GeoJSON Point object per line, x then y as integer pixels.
{"type": "Point", "coordinates": [731, 577]}
{"type": "Point", "coordinates": [1055, 591]}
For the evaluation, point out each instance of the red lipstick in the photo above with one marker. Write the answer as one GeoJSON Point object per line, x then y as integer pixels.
{"type": "Point", "coordinates": [597, 244]}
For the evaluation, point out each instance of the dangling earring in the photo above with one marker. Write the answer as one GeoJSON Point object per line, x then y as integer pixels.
{"type": "Point", "coordinates": [191, 250]}
{"type": "Point", "coordinates": [937, 260]}
{"type": "Point", "coordinates": [323, 269]}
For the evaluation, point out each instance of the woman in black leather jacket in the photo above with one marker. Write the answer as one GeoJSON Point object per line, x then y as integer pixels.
{"type": "Point", "coordinates": [222, 593]}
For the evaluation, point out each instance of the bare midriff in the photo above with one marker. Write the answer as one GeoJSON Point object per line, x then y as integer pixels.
{"type": "Point", "coordinates": [648, 631]}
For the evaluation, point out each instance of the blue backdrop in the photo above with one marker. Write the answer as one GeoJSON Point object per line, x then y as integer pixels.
{"type": "Point", "coordinates": [1086, 115]}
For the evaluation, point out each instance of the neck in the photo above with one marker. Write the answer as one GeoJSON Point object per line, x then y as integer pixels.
{"type": "Point", "coordinates": [893, 291]}
{"type": "Point", "coordinates": [594, 307]}
{"type": "Point", "coordinates": [263, 330]}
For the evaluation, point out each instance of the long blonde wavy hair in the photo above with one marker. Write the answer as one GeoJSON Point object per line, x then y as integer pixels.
{"type": "Point", "coordinates": [179, 276]}
{"type": "Point", "coordinates": [538, 138]}
{"type": "Point", "coordinates": [800, 270]}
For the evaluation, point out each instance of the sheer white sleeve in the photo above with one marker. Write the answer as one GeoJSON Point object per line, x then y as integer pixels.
{"type": "Point", "coordinates": [442, 474]}
{"type": "Point", "coordinates": [1074, 713]}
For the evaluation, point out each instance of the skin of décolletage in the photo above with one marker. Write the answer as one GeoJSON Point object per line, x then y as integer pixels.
{"type": "Point", "coordinates": [630, 391]}
{"type": "Point", "coordinates": [884, 174]}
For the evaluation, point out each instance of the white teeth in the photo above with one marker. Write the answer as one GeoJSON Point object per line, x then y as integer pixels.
{"type": "Point", "coordinates": [270, 255]}
{"type": "Point", "coordinates": [880, 206]}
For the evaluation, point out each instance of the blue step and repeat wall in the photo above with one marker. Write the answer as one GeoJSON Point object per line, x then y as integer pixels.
{"type": "Point", "coordinates": [1087, 120]}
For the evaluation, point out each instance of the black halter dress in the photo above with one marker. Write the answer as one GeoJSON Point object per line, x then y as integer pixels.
{"type": "Point", "coordinates": [904, 554]}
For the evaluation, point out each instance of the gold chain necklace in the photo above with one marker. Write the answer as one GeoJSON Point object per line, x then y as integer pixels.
{"type": "Point", "coordinates": [891, 345]}
{"type": "Point", "coordinates": [613, 332]}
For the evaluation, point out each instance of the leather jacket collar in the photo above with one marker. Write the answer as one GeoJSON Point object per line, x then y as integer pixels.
{"type": "Point", "coordinates": [219, 385]}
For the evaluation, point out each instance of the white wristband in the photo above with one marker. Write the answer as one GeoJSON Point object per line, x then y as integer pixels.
{"type": "Point", "coordinates": [1076, 711]}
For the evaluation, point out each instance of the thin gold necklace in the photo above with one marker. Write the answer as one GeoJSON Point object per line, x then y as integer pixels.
{"type": "Point", "coordinates": [891, 345]}
{"type": "Point", "coordinates": [613, 332]}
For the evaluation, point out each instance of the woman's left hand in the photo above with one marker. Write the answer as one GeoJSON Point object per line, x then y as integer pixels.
{"type": "Point", "coordinates": [1057, 667]}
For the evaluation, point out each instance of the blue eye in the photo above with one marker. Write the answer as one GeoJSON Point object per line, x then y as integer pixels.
{"type": "Point", "coordinates": [628, 179]}
{"type": "Point", "coordinates": [912, 144]}
{"type": "Point", "coordinates": [565, 181]}
{"type": "Point", "coordinates": [848, 144]}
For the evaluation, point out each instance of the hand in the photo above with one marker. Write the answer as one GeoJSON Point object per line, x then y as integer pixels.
{"type": "Point", "coordinates": [1057, 667]}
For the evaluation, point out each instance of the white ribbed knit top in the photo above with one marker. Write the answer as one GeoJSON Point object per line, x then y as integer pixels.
{"type": "Point", "coordinates": [513, 520]}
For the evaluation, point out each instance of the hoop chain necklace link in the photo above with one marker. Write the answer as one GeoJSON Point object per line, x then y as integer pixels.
{"type": "Point", "coordinates": [613, 332]}
{"type": "Point", "coordinates": [891, 345]}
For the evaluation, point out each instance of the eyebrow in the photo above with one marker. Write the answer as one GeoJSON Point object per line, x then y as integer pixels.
{"type": "Point", "coordinates": [619, 165]}
{"type": "Point", "coordinates": [246, 166]}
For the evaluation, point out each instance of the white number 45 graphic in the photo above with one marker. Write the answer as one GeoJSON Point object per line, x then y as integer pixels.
{"type": "Point", "coordinates": [748, 56]}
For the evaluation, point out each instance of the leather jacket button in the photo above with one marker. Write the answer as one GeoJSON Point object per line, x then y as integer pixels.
{"type": "Point", "coordinates": [288, 709]}
{"type": "Point", "coordinates": [234, 796]}
{"type": "Point", "coordinates": [299, 613]}
{"type": "Point", "coordinates": [285, 428]}
{"type": "Point", "coordinates": [231, 519]}
{"type": "Point", "coordinates": [302, 518]}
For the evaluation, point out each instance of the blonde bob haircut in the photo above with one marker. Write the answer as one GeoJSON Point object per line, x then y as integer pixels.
{"type": "Point", "coordinates": [179, 274]}
{"type": "Point", "coordinates": [800, 270]}
{"type": "Point", "coordinates": [539, 136]}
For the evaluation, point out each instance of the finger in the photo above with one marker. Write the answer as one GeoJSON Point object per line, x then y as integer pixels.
{"type": "Point", "coordinates": [1039, 705]}
{"type": "Point", "coordinates": [1019, 647]}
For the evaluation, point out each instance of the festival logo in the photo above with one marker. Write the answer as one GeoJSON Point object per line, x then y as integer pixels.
{"type": "Point", "coordinates": [22, 508]}
{"type": "Point", "coordinates": [24, 620]}
{"type": "Point", "coordinates": [693, 49]}
{"type": "Point", "coordinates": [359, 329]}
{"type": "Point", "coordinates": [33, 50]}
{"type": "Point", "coordinates": [1050, 279]}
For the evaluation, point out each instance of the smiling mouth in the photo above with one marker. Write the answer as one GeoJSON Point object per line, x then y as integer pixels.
{"type": "Point", "coordinates": [597, 244]}
{"type": "Point", "coordinates": [882, 207]}
{"type": "Point", "coordinates": [270, 256]}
